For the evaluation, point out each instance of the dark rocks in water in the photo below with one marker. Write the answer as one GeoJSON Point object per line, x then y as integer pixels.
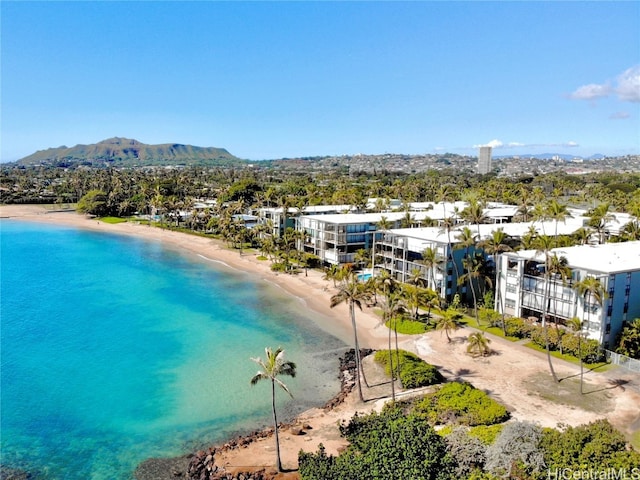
{"type": "Point", "coordinates": [202, 467]}
{"type": "Point", "coordinates": [7, 473]}
{"type": "Point", "coordinates": [347, 376]}
{"type": "Point", "coordinates": [163, 468]}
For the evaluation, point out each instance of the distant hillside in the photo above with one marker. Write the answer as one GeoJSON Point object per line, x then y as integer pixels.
{"type": "Point", "coordinates": [125, 152]}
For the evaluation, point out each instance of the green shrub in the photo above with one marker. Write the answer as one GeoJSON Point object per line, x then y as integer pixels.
{"type": "Point", "coordinates": [391, 445]}
{"type": "Point", "coordinates": [461, 403]}
{"type": "Point", "coordinates": [414, 372]}
{"type": "Point", "coordinates": [517, 327]}
{"type": "Point", "coordinates": [538, 336]}
{"type": "Point", "coordinates": [587, 446]}
{"type": "Point", "coordinates": [486, 433]}
{"type": "Point", "coordinates": [278, 267]}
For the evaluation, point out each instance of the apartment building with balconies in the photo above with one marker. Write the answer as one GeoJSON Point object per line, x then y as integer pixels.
{"type": "Point", "coordinates": [527, 292]}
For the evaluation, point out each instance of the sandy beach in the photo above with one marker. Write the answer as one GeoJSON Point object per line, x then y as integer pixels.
{"type": "Point", "coordinates": [515, 375]}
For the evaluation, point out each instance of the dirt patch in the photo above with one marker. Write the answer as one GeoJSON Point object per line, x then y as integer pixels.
{"type": "Point", "coordinates": [596, 398]}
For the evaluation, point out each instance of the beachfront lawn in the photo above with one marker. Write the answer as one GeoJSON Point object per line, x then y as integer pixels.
{"type": "Point", "coordinates": [406, 326]}
{"type": "Point", "coordinates": [112, 220]}
{"type": "Point", "coordinates": [600, 366]}
{"type": "Point", "coordinates": [497, 331]}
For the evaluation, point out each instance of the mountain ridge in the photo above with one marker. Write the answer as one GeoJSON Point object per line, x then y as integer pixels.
{"type": "Point", "coordinates": [127, 152]}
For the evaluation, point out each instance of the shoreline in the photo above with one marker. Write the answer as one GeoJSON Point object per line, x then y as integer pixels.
{"type": "Point", "coordinates": [311, 290]}
{"type": "Point", "coordinates": [512, 376]}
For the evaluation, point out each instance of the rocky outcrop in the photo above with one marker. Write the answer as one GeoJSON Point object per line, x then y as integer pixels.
{"type": "Point", "coordinates": [347, 376]}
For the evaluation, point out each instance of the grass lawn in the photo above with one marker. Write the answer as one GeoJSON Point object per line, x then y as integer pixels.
{"type": "Point", "coordinates": [112, 220]}
{"type": "Point", "coordinates": [497, 331]}
{"type": "Point", "coordinates": [600, 366]}
{"type": "Point", "coordinates": [635, 440]}
{"type": "Point", "coordinates": [567, 392]}
{"type": "Point", "coordinates": [407, 326]}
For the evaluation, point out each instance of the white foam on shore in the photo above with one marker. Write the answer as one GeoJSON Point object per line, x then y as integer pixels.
{"type": "Point", "coordinates": [212, 260]}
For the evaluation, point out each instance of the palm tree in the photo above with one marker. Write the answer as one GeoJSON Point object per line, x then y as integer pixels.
{"type": "Point", "coordinates": [394, 305]}
{"type": "Point", "coordinates": [478, 345]}
{"type": "Point", "coordinates": [592, 292]}
{"type": "Point", "coordinates": [544, 244]}
{"type": "Point", "coordinates": [432, 260]}
{"type": "Point", "coordinates": [272, 367]}
{"type": "Point", "coordinates": [474, 213]}
{"type": "Point", "coordinates": [475, 273]}
{"type": "Point", "coordinates": [631, 230]}
{"type": "Point", "coordinates": [416, 277]}
{"type": "Point", "coordinates": [446, 227]}
{"type": "Point", "coordinates": [353, 293]}
{"type": "Point", "coordinates": [495, 245]}
{"type": "Point", "coordinates": [558, 213]}
{"type": "Point", "coordinates": [575, 324]}
{"type": "Point", "coordinates": [598, 219]}
{"type": "Point", "coordinates": [558, 268]}
{"type": "Point", "coordinates": [448, 321]}
{"type": "Point", "coordinates": [582, 236]}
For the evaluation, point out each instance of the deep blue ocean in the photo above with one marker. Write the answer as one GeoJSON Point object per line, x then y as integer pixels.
{"type": "Point", "coordinates": [115, 349]}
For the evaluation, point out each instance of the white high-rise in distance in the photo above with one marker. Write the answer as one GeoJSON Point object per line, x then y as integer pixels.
{"type": "Point", "coordinates": [484, 160]}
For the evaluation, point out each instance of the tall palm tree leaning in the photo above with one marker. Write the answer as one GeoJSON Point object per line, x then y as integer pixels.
{"type": "Point", "coordinates": [575, 324]}
{"type": "Point", "coordinates": [273, 366]}
{"type": "Point", "coordinates": [589, 288]}
{"type": "Point", "coordinates": [543, 245]}
{"type": "Point", "coordinates": [353, 293]}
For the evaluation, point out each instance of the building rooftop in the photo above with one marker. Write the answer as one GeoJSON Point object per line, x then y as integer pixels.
{"type": "Point", "coordinates": [606, 258]}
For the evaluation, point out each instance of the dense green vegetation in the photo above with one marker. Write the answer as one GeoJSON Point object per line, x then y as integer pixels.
{"type": "Point", "coordinates": [389, 445]}
{"type": "Point", "coordinates": [629, 341]}
{"type": "Point", "coordinates": [401, 443]}
{"type": "Point", "coordinates": [125, 152]}
{"type": "Point", "coordinates": [414, 372]}
{"type": "Point", "coordinates": [461, 403]}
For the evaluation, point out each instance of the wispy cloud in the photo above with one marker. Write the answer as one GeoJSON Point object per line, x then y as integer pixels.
{"type": "Point", "coordinates": [591, 92]}
{"type": "Point", "coordinates": [492, 144]}
{"type": "Point", "coordinates": [500, 144]}
{"type": "Point", "coordinates": [626, 87]}
{"type": "Point", "coordinates": [619, 115]}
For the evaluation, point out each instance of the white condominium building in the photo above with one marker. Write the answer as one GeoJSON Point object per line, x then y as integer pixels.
{"type": "Point", "coordinates": [523, 289]}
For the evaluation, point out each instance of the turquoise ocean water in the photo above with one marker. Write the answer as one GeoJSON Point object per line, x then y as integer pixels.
{"type": "Point", "coordinates": [115, 349]}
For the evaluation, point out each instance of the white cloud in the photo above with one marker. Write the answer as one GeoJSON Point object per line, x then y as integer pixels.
{"type": "Point", "coordinates": [499, 144]}
{"type": "Point", "coordinates": [492, 144]}
{"type": "Point", "coordinates": [619, 115]}
{"type": "Point", "coordinates": [628, 86]}
{"type": "Point", "coordinates": [591, 92]}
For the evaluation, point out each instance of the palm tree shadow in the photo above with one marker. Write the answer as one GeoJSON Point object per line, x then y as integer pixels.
{"type": "Point", "coordinates": [373, 399]}
{"type": "Point", "coordinates": [463, 372]}
{"type": "Point", "coordinates": [613, 383]}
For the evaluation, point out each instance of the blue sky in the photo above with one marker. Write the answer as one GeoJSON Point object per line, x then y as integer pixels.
{"type": "Point", "coordinates": [286, 79]}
